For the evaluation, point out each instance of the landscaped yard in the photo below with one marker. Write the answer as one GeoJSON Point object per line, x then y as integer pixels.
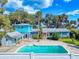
{"type": "Point", "coordinates": [68, 40]}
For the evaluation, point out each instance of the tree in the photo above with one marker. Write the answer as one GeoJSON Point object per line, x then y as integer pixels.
{"type": "Point", "coordinates": [1, 36]}
{"type": "Point", "coordinates": [49, 19]}
{"type": "Point", "coordinates": [38, 19]}
{"type": "Point", "coordinates": [78, 19]}
{"type": "Point", "coordinates": [19, 16]}
{"type": "Point", "coordinates": [5, 24]}
{"type": "Point", "coordinates": [1, 10]}
{"type": "Point", "coordinates": [3, 2]}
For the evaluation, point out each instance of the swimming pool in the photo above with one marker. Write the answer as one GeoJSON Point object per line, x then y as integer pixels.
{"type": "Point", "coordinates": [42, 49]}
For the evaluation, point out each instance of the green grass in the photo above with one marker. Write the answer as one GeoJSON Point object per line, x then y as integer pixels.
{"type": "Point", "coordinates": [68, 40]}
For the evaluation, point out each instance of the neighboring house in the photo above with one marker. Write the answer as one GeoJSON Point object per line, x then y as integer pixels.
{"type": "Point", "coordinates": [11, 39]}
{"type": "Point", "coordinates": [25, 29]}
{"type": "Point", "coordinates": [48, 31]}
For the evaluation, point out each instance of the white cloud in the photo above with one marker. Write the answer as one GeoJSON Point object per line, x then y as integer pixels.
{"type": "Point", "coordinates": [46, 3]}
{"type": "Point", "coordinates": [75, 12]}
{"type": "Point", "coordinates": [6, 12]}
{"type": "Point", "coordinates": [30, 10]}
{"type": "Point", "coordinates": [17, 3]}
{"type": "Point", "coordinates": [67, 0]}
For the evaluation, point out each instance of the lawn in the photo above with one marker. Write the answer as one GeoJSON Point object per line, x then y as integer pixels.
{"type": "Point", "coordinates": [68, 40]}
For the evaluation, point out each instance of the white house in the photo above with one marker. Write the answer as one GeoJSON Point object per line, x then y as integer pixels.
{"type": "Point", "coordinates": [11, 38]}
{"type": "Point", "coordinates": [47, 32]}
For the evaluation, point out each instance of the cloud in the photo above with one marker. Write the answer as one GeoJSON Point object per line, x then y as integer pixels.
{"type": "Point", "coordinates": [67, 0]}
{"type": "Point", "coordinates": [6, 12]}
{"type": "Point", "coordinates": [47, 3]}
{"type": "Point", "coordinates": [38, 3]}
{"type": "Point", "coordinates": [16, 3]}
{"type": "Point", "coordinates": [31, 6]}
{"type": "Point", "coordinates": [30, 10]}
{"type": "Point", "coordinates": [75, 12]}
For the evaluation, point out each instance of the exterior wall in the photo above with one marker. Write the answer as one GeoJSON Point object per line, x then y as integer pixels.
{"type": "Point", "coordinates": [64, 34]}
{"type": "Point", "coordinates": [7, 42]}
{"type": "Point", "coordinates": [23, 28]}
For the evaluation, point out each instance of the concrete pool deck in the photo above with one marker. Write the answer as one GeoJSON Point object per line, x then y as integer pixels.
{"type": "Point", "coordinates": [71, 48]}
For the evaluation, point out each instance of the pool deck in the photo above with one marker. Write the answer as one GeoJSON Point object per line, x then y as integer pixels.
{"type": "Point", "coordinates": [71, 48]}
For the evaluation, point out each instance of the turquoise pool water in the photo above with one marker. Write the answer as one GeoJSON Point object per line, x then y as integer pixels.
{"type": "Point", "coordinates": [42, 49]}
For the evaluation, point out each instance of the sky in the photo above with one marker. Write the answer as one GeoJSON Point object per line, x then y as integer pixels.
{"type": "Point", "coordinates": [55, 7]}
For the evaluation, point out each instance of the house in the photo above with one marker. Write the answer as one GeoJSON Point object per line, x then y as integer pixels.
{"type": "Point", "coordinates": [48, 31]}
{"type": "Point", "coordinates": [28, 31]}
{"type": "Point", "coordinates": [11, 38]}
{"type": "Point", "coordinates": [24, 29]}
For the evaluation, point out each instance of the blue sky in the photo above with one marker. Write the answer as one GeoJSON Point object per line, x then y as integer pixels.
{"type": "Point", "coordinates": [55, 7]}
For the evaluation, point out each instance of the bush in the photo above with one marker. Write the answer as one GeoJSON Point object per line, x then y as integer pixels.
{"type": "Point", "coordinates": [54, 36]}
{"type": "Point", "coordinates": [77, 37]}
{"type": "Point", "coordinates": [36, 36]}
{"type": "Point", "coordinates": [72, 34]}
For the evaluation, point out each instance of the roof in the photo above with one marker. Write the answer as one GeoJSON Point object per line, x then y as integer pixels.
{"type": "Point", "coordinates": [14, 34]}
{"type": "Point", "coordinates": [52, 30]}
{"type": "Point", "coordinates": [55, 30]}
{"type": "Point", "coordinates": [21, 24]}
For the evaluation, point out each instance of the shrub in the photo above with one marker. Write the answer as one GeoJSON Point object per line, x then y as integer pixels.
{"type": "Point", "coordinates": [72, 34]}
{"type": "Point", "coordinates": [55, 36]}
{"type": "Point", "coordinates": [35, 36]}
{"type": "Point", "coordinates": [77, 37]}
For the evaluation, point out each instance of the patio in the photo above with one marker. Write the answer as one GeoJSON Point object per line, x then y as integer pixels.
{"type": "Point", "coordinates": [71, 48]}
{"type": "Point", "coordinates": [10, 52]}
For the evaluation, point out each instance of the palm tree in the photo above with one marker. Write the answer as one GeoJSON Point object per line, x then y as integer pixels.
{"type": "Point", "coordinates": [38, 19]}
{"type": "Point", "coordinates": [64, 17]}
{"type": "Point", "coordinates": [49, 19]}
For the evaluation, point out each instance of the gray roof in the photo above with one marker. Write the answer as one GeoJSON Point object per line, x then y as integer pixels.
{"type": "Point", "coordinates": [55, 30]}
{"type": "Point", "coordinates": [21, 24]}
{"type": "Point", "coordinates": [52, 30]}
{"type": "Point", "coordinates": [14, 34]}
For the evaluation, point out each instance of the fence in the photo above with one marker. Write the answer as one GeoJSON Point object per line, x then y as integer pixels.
{"type": "Point", "coordinates": [37, 56]}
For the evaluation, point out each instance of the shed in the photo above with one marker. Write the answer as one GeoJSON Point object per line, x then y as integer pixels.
{"type": "Point", "coordinates": [11, 38]}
